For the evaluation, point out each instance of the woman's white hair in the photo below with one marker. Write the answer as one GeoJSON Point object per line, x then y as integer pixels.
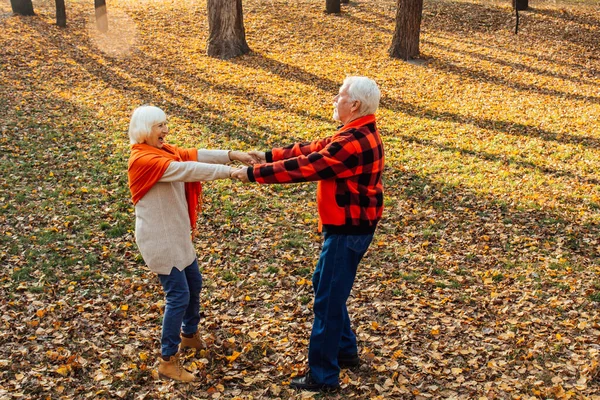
{"type": "Point", "coordinates": [141, 122]}
{"type": "Point", "coordinates": [364, 90]}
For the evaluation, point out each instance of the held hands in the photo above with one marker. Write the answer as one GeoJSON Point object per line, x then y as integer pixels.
{"type": "Point", "coordinates": [241, 175]}
{"type": "Point", "coordinates": [249, 158]}
{"type": "Point", "coordinates": [259, 156]}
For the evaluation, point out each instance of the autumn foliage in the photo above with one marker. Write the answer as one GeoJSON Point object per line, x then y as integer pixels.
{"type": "Point", "coordinates": [482, 281]}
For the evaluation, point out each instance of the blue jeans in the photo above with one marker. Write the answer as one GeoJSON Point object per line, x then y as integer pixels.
{"type": "Point", "coordinates": [182, 311]}
{"type": "Point", "coordinates": [332, 282]}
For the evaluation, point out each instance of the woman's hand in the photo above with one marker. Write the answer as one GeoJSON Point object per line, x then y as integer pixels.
{"type": "Point", "coordinates": [259, 156]}
{"type": "Point", "coordinates": [248, 158]}
{"type": "Point", "coordinates": [241, 175]}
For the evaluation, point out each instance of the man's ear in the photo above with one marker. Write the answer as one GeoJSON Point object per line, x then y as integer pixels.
{"type": "Point", "coordinates": [355, 106]}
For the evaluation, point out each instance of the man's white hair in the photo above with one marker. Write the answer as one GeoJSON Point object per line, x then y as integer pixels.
{"type": "Point", "coordinates": [364, 90]}
{"type": "Point", "coordinates": [141, 122]}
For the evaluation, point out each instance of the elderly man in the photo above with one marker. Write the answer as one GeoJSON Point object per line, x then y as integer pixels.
{"type": "Point", "coordinates": [348, 166]}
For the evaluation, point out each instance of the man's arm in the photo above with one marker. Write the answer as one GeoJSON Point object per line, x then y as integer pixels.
{"type": "Point", "coordinates": [338, 159]}
{"type": "Point", "coordinates": [296, 150]}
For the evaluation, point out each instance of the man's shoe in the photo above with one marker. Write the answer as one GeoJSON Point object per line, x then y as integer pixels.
{"type": "Point", "coordinates": [173, 369]}
{"type": "Point", "coordinates": [348, 361]}
{"type": "Point", "coordinates": [195, 342]}
{"type": "Point", "coordinates": [307, 382]}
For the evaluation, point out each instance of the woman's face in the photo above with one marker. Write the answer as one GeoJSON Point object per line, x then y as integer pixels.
{"type": "Point", "coordinates": [156, 138]}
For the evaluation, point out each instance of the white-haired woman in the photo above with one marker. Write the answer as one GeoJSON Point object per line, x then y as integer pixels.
{"type": "Point", "coordinates": [165, 187]}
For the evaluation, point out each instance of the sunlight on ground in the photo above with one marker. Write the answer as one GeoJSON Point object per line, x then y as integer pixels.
{"type": "Point", "coordinates": [121, 36]}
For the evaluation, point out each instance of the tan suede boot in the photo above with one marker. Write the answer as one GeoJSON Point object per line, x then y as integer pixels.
{"type": "Point", "coordinates": [195, 342]}
{"type": "Point", "coordinates": [173, 369]}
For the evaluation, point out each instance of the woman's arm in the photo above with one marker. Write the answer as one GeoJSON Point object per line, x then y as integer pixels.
{"type": "Point", "coordinates": [213, 156]}
{"type": "Point", "coordinates": [225, 156]}
{"type": "Point", "coordinates": [191, 171]}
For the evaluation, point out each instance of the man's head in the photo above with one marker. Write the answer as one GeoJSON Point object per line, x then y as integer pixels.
{"type": "Point", "coordinates": [358, 96]}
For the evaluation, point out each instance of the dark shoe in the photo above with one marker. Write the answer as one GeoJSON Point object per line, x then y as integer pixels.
{"type": "Point", "coordinates": [307, 382]}
{"type": "Point", "coordinates": [348, 361]}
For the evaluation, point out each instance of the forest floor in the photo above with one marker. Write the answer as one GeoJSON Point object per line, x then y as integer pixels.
{"type": "Point", "coordinates": [483, 277]}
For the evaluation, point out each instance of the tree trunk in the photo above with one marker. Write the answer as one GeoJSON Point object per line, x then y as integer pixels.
{"type": "Point", "coordinates": [61, 13]}
{"type": "Point", "coordinates": [101, 15]}
{"type": "Point", "coordinates": [405, 43]}
{"type": "Point", "coordinates": [345, 1]}
{"type": "Point", "coordinates": [227, 37]}
{"type": "Point", "coordinates": [333, 7]}
{"type": "Point", "coordinates": [520, 5]}
{"type": "Point", "coordinates": [22, 7]}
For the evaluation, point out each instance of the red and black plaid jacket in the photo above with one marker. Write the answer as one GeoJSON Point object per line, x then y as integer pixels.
{"type": "Point", "coordinates": [348, 166]}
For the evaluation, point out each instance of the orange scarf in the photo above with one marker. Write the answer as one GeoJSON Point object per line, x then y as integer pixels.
{"type": "Point", "coordinates": [147, 165]}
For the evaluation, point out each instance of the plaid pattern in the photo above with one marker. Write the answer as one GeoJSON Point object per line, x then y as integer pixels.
{"type": "Point", "coordinates": [348, 166]}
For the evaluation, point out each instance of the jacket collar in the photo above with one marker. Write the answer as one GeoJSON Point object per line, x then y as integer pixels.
{"type": "Point", "coordinates": [361, 121]}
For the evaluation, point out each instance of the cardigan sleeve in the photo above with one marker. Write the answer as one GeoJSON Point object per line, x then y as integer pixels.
{"type": "Point", "coordinates": [213, 156]}
{"type": "Point", "coordinates": [191, 171]}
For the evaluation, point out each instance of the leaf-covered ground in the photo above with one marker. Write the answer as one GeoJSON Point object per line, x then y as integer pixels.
{"type": "Point", "coordinates": [482, 281]}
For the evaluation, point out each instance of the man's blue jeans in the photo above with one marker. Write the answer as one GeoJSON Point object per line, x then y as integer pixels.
{"type": "Point", "coordinates": [332, 282]}
{"type": "Point", "coordinates": [182, 311]}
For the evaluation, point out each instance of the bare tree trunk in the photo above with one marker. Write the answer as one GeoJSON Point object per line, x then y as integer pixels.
{"type": "Point", "coordinates": [345, 1]}
{"type": "Point", "coordinates": [61, 13]}
{"type": "Point", "coordinates": [520, 5]}
{"type": "Point", "coordinates": [22, 7]}
{"type": "Point", "coordinates": [101, 15]}
{"type": "Point", "coordinates": [405, 43]}
{"type": "Point", "coordinates": [333, 7]}
{"type": "Point", "coordinates": [227, 37]}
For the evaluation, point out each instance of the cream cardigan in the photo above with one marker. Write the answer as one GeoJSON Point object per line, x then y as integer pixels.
{"type": "Point", "coordinates": [162, 224]}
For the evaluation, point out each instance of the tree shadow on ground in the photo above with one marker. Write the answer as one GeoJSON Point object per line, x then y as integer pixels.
{"type": "Point", "coordinates": [512, 65]}
{"type": "Point", "coordinates": [295, 73]}
{"type": "Point", "coordinates": [181, 104]}
{"type": "Point", "coordinates": [449, 67]}
{"type": "Point", "coordinates": [551, 172]}
{"type": "Point", "coordinates": [462, 210]}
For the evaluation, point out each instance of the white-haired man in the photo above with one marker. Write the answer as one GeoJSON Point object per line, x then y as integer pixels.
{"type": "Point", "coordinates": [348, 167]}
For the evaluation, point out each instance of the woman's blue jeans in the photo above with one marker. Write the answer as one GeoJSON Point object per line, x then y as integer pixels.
{"type": "Point", "coordinates": [182, 311]}
{"type": "Point", "coordinates": [332, 282]}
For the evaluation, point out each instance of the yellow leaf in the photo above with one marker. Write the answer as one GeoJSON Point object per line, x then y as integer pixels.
{"type": "Point", "coordinates": [124, 307]}
{"type": "Point", "coordinates": [143, 356]}
{"type": "Point", "coordinates": [40, 313]}
{"type": "Point", "coordinates": [457, 371]}
{"type": "Point", "coordinates": [374, 325]}
{"type": "Point", "coordinates": [63, 370]}
{"type": "Point", "coordinates": [253, 335]}
{"type": "Point", "coordinates": [247, 298]}
{"type": "Point", "coordinates": [234, 356]}
{"type": "Point", "coordinates": [435, 331]}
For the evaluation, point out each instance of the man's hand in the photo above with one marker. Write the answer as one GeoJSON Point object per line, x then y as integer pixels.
{"type": "Point", "coordinates": [241, 175]}
{"type": "Point", "coordinates": [259, 156]}
{"type": "Point", "coordinates": [246, 158]}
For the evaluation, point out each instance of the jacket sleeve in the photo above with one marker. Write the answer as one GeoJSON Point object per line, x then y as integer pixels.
{"type": "Point", "coordinates": [337, 159]}
{"type": "Point", "coordinates": [295, 150]}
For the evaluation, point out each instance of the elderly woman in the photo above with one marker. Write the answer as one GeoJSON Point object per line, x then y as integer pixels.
{"type": "Point", "coordinates": [165, 186]}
